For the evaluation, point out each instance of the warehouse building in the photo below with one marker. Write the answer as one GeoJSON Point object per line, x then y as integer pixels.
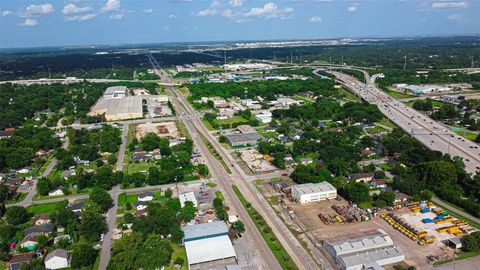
{"type": "Point", "coordinates": [119, 108]}
{"type": "Point", "coordinates": [208, 245]}
{"type": "Point", "coordinates": [240, 139]}
{"type": "Point", "coordinates": [307, 193]}
{"type": "Point", "coordinates": [115, 92]}
{"type": "Point", "coordinates": [367, 252]}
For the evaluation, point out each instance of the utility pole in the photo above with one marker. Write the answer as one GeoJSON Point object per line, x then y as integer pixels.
{"type": "Point", "coordinates": [291, 58]}
{"type": "Point", "coordinates": [405, 62]}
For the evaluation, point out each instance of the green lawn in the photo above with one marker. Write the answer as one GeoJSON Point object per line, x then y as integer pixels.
{"type": "Point", "coordinates": [385, 166]}
{"type": "Point", "coordinates": [270, 238]}
{"type": "Point", "coordinates": [133, 167]}
{"type": "Point", "coordinates": [17, 198]}
{"type": "Point", "coordinates": [219, 195]}
{"type": "Point", "coordinates": [384, 121]}
{"type": "Point", "coordinates": [395, 94]}
{"type": "Point", "coordinates": [178, 251]}
{"type": "Point", "coordinates": [46, 208]}
{"type": "Point", "coordinates": [365, 205]}
{"type": "Point", "coordinates": [348, 94]}
{"type": "Point", "coordinates": [466, 134]}
{"type": "Point", "coordinates": [233, 119]}
{"type": "Point", "coordinates": [375, 130]}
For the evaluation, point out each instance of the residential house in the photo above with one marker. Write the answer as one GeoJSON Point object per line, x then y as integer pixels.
{"type": "Point", "coordinates": [58, 259]}
{"type": "Point", "coordinates": [5, 134]}
{"type": "Point", "coordinates": [80, 161]}
{"type": "Point", "coordinates": [57, 192]}
{"type": "Point", "coordinates": [41, 153]}
{"type": "Point", "coordinates": [145, 197]}
{"type": "Point", "coordinates": [360, 177]}
{"type": "Point", "coordinates": [306, 161]}
{"type": "Point", "coordinates": [280, 185]}
{"type": "Point", "coordinates": [400, 198]}
{"type": "Point", "coordinates": [141, 205]}
{"type": "Point", "coordinates": [44, 229]}
{"type": "Point", "coordinates": [18, 259]}
{"type": "Point", "coordinates": [77, 207]}
{"type": "Point", "coordinates": [378, 184]}
{"type": "Point", "coordinates": [30, 242]}
{"type": "Point", "coordinates": [141, 157]}
{"type": "Point", "coordinates": [41, 220]}
{"type": "Point", "coordinates": [367, 153]}
{"type": "Point", "coordinates": [57, 239]}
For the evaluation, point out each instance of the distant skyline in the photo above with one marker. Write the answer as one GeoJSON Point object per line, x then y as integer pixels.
{"type": "Point", "coordinates": [89, 22]}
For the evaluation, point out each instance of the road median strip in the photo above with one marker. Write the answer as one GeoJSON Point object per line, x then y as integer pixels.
{"type": "Point", "coordinates": [270, 238]}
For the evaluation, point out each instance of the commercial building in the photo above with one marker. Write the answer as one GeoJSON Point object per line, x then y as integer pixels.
{"type": "Point", "coordinates": [208, 245]}
{"type": "Point", "coordinates": [115, 92]}
{"type": "Point", "coordinates": [116, 109]}
{"type": "Point", "coordinates": [240, 139]}
{"type": "Point", "coordinates": [187, 196]}
{"type": "Point", "coordinates": [307, 193]}
{"type": "Point", "coordinates": [367, 252]}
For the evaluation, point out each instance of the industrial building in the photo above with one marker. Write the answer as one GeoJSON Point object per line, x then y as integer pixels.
{"type": "Point", "coordinates": [367, 252]}
{"type": "Point", "coordinates": [130, 107]}
{"type": "Point", "coordinates": [307, 193]}
{"type": "Point", "coordinates": [115, 92]}
{"type": "Point", "coordinates": [208, 245]}
{"type": "Point", "coordinates": [240, 139]}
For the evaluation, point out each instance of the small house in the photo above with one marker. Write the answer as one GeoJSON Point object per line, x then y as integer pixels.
{"type": "Point", "coordinates": [57, 192]}
{"type": "Point", "coordinates": [145, 197]}
{"type": "Point", "coordinates": [140, 205]}
{"type": "Point", "coordinates": [58, 259]}
{"type": "Point", "coordinates": [41, 220]}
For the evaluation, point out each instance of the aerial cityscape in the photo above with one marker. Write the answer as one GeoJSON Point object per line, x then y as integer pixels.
{"type": "Point", "coordinates": [239, 134]}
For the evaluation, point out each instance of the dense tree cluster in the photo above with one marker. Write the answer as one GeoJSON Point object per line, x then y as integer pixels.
{"type": "Point", "coordinates": [423, 105]}
{"type": "Point", "coordinates": [427, 169]}
{"type": "Point", "coordinates": [410, 76]}
{"type": "Point", "coordinates": [267, 89]}
{"type": "Point", "coordinates": [325, 108]}
{"type": "Point", "coordinates": [19, 150]}
{"type": "Point", "coordinates": [140, 251]}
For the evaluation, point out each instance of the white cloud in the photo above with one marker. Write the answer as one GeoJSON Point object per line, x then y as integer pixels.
{"type": "Point", "coordinates": [166, 27]}
{"type": "Point", "coordinates": [236, 3]}
{"type": "Point", "coordinates": [455, 17]}
{"type": "Point", "coordinates": [172, 16]}
{"type": "Point", "coordinates": [315, 19]}
{"type": "Point", "coordinates": [117, 16]}
{"type": "Point", "coordinates": [36, 10]}
{"type": "Point", "coordinates": [81, 18]}
{"type": "Point", "coordinates": [268, 11]}
{"type": "Point", "coordinates": [73, 9]}
{"type": "Point", "coordinates": [212, 10]}
{"type": "Point", "coordinates": [352, 7]}
{"type": "Point", "coordinates": [111, 5]}
{"type": "Point", "coordinates": [29, 22]}
{"type": "Point", "coordinates": [6, 13]}
{"type": "Point", "coordinates": [450, 4]}
{"type": "Point", "coordinates": [148, 10]}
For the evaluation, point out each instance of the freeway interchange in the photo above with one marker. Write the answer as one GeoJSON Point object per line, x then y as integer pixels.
{"type": "Point", "coordinates": [426, 130]}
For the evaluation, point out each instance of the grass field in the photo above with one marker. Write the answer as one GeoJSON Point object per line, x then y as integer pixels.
{"type": "Point", "coordinates": [365, 205]}
{"type": "Point", "coordinates": [272, 241]}
{"type": "Point", "coordinates": [396, 94]}
{"type": "Point", "coordinates": [138, 167]}
{"type": "Point", "coordinates": [375, 130]}
{"type": "Point", "coordinates": [385, 122]}
{"type": "Point", "coordinates": [178, 252]}
{"type": "Point", "coordinates": [467, 134]}
{"type": "Point", "coordinates": [46, 208]}
{"type": "Point", "coordinates": [348, 94]}
{"type": "Point", "coordinates": [214, 152]}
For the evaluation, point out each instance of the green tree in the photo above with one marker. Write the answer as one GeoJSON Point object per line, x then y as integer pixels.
{"type": "Point", "coordinates": [150, 141]}
{"type": "Point", "coordinates": [238, 226]}
{"type": "Point", "coordinates": [92, 225]}
{"type": "Point", "coordinates": [83, 255]}
{"type": "Point", "coordinates": [188, 211]}
{"type": "Point", "coordinates": [168, 193]}
{"type": "Point", "coordinates": [471, 243]}
{"type": "Point", "coordinates": [43, 186]}
{"type": "Point", "coordinates": [17, 215]}
{"type": "Point", "coordinates": [357, 192]}
{"type": "Point", "coordinates": [101, 198]}
{"type": "Point", "coordinates": [3, 198]}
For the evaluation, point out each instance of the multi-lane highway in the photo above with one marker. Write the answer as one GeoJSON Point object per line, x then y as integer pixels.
{"type": "Point", "coordinates": [426, 130]}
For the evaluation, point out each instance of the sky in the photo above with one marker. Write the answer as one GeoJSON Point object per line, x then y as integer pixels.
{"type": "Point", "coordinates": [32, 23]}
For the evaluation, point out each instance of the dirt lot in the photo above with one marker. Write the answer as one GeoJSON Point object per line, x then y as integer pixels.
{"type": "Point", "coordinates": [255, 161]}
{"type": "Point", "coordinates": [307, 217]}
{"type": "Point", "coordinates": [168, 130]}
{"type": "Point", "coordinates": [140, 91]}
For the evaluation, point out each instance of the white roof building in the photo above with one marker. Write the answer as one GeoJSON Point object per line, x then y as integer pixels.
{"type": "Point", "coordinates": [307, 193]}
{"type": "Point", "coordinates": [115, 92]}
{"type": "Point", "coordinates": [264, 119]}
{"type": "Point", "coordinates": [372, 251]}
{"type": "Point", "coordinates": [58, 259]}
{"type": "Point", "coordinates": [188, 196]}
{"type": "Point", "coordinates": [207, 245]}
